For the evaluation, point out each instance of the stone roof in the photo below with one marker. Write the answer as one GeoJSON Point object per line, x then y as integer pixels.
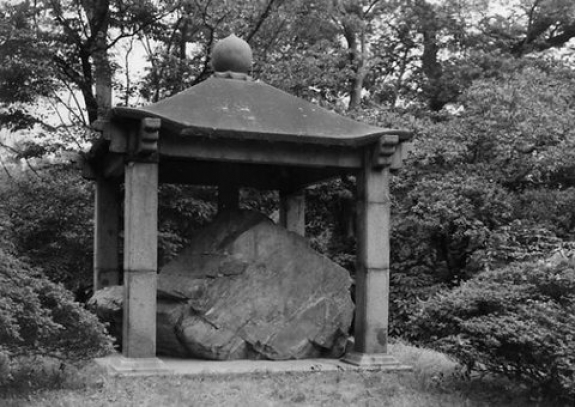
{"type": "Point", "coordinates": [245, 109]}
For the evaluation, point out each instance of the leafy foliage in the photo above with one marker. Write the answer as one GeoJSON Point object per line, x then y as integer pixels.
{"type": "Point", "coordinates": [490, 180]}
{"type": "Point", "coordinates": [484, 187]}
{"type": "Point", "coordinates": [182, 209]}
{"type": "Point", "coordinates": [518, 321]}
{"type": "Point", "coordinates": [39, 317]}
{"type": "Point", "coordinates": [51, 224]}
{"type": "Point", "coordinates": [25, 72]}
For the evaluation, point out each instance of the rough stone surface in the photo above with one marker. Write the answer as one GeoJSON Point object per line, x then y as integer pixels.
{"type": "Point", "coordinates": [107, 304]}
{"type": "Point", "coordinates": [247, 288]}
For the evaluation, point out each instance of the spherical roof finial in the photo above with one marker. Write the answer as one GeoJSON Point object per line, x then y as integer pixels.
{"type": "Point", "coordinates": [232, 54]}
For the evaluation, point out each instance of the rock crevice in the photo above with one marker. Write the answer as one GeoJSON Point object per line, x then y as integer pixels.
{"type": "Point", "coordinates": [247, 288]}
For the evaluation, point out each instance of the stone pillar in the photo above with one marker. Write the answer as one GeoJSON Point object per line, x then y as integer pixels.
{"type": "Point", "coordinates": [140, 259]}
{"type": "Point", "coordinates": [292, 211]}
{"type": "Point", "coordinates": [106, 234]}
{"type": "Point", "coordinates": [372, 272]}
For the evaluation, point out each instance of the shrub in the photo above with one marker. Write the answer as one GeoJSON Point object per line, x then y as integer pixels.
{"type": "Point", "coordinates": [51, 223]}
{"type": "Point", "coordinates": [518, 321]}
{"type": "Point", "coordinates": [39, 317]}
{"type": "Point", "coordinates": [440, 222]}
{"type": "Point", "coordinates": [518, 241]}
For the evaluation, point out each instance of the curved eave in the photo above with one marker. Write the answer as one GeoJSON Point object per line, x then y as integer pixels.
{"type": "Point", "coordinates": [227, 108]}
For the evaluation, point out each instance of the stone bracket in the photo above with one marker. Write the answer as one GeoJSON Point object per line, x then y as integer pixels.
{"type": "Point", "coordinates": [105, 127]}
{"type": "Point", "coordinates": [400, 154]}
{"type": "Point", "coordinates": [146, 142]}
{"type": "Point", "coordinates": [383, 151]}
{"type": "Point", "coordinates": [389, 151]}
{"type": "Point", "coordinates": [118, 138]}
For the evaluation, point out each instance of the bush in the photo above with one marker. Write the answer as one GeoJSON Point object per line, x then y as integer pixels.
{"type": "Point", "coordinates": [39, 317]}
{"type": "Point", "coordinates": [518, 321]}
{"type": "Point", "coordinates": [440, 222]}
{"type": "Point", "coordinates": [51, 223]}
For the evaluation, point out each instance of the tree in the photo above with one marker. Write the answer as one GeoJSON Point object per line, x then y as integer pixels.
{"type": "Point", "coordinates": [179, 46]}
{"type": "Point", "coordinates": [65, 45]}
{"type": "Point", "coordinates": [488, 186]}
{"type": "Point", "coordinates": [85, 31]}
{"type": "Point", "coordinates": [545, 24]}
{"type": "Point", "coordinates": [25, 70]}
{"type": "Point", "coordinates": [493, 144]}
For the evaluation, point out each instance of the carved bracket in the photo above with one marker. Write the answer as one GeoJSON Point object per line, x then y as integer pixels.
{"type": "Point", "coordinates": [147, 138]}
{"type": "Point", "coordinates": [102, 123]}
{"type": "Point", "coordinates": [400, 154]}
{"type": "Point", "coordinates": [383, 151]}
{"type": "Point", "coordinates": [390, 151]}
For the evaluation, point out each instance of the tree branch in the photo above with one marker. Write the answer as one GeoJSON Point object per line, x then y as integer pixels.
{"type": "Point", "coordinates": [263, 16]}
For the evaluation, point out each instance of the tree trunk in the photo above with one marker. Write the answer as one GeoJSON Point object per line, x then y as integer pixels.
{"type": "Point", "coordinates": [86, 87]}
{"type": "Point", "coordinates": [430, 65]}
{"type": "Point", "coordinates": [357, 58]}
{"type": "Point", "coordinates": [98, 12]}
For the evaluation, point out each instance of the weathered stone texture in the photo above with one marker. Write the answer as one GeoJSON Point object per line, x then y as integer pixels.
{"type": "Point", "coordinates": [107, 304]}
{"type": "Point", "coordinates": [247, 288]}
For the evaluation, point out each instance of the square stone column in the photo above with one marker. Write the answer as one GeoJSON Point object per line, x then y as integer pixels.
{"type": "Point", "coordinates": [292, 211]}
{"type": "Point", "coordinates": [140, 259]}
{"type": "Point", "coordinates": [106, 234]}
{"type": "Point", "coordinates": [372, 273]}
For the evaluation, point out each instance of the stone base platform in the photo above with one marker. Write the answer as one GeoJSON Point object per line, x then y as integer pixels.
{"type": "Point", "coordinates": [377, 361]}
{"type": "Point", "coordinates": [118, 365]}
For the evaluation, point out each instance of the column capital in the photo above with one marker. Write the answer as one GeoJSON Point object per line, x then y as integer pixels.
{"type": "Point", "coordinates": [388, 152]}
{"type": "Point", "coordinates": [143, 143]}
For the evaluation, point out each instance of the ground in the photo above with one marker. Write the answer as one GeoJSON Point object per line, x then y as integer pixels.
{"type": "Point", "coordinates": [434, 381]}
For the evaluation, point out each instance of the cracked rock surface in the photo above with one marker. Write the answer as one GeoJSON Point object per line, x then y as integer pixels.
{"type": "Point", "coordinates": [246, 288]}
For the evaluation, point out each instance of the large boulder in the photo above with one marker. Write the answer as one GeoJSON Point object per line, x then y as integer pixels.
{"type": "Point", "coordinates": [107, 304]}
{"type": "Point", "coordinates": [247, 288]}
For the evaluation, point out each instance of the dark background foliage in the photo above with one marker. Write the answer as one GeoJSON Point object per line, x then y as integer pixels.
{"type": "Point", "coordinates": [487, 191]}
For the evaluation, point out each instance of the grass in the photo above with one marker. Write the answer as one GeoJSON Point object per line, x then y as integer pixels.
{"type": "Point", "coordinates": [434, 381]}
